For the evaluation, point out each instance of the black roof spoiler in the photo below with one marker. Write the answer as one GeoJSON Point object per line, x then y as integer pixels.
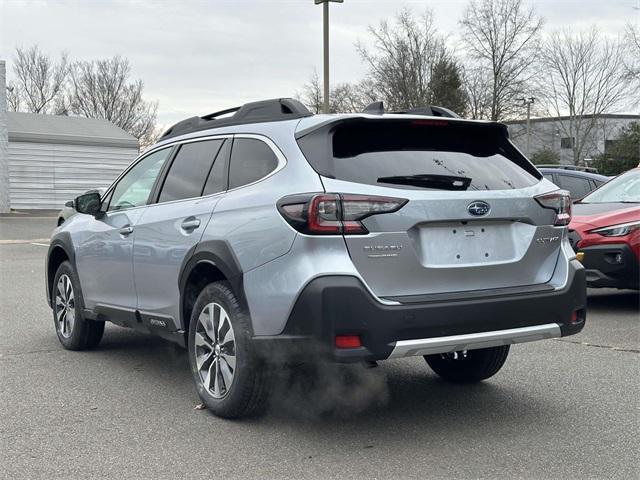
{"type": "Point", "coordinates": [377, 108]}
{"type": "Point", "coordinates": [254, 112]}
{"type": "Point", "coordinates": [341, 120]}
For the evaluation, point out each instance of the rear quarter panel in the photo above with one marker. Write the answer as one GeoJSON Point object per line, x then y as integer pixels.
{"type": "Point", "coordinates": [247, 217]}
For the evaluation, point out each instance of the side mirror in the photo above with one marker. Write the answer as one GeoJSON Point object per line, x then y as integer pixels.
{"type": "Point", "coordinates": [69, 204]}
{"type": "Point", "coordinates": [88, 203]}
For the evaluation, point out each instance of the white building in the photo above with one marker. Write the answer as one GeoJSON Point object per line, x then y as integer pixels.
{"type": "Point", "coordinates": [549, 133]}
{"type": "Point", "coordinates": [52, 159]}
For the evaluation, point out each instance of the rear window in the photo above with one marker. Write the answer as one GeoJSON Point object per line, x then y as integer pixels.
{"type": "Point", "coordinates": [251, 160]}
{"type": "Point", "coordinates": [382, 152]}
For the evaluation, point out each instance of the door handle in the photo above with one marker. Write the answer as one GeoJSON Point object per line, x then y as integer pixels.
{"type": "Point", "coordinates": [125, 231]}
{"type": "Point", "coordinates": [190, 224]}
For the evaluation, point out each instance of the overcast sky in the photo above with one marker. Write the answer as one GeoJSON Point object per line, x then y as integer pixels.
{"type": "Point", "coordinates": [196, 57]}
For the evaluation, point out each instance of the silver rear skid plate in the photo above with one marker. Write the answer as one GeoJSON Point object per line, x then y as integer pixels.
{"type": "Point", "coordinates": [474, 341]}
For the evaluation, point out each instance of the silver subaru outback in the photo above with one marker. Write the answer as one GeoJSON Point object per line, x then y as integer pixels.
{"type": "Point", "coordinates": [265, 232]}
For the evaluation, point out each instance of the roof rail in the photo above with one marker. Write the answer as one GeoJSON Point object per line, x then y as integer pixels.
{"type": "Point", "coordinates": [253, 112]}
{"type": "Point", "coordinates": [377, 108]}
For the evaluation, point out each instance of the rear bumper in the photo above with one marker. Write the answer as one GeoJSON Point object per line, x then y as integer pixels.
{"type": "Point", "coordinates": [611, 265]}
{"type": "Point", "coordinates": [341, 305]}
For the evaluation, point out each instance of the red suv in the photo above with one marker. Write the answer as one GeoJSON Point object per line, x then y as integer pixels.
{"type": "Point", "coordinates": [605, 231]}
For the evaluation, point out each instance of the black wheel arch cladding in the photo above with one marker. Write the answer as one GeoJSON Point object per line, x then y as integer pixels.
{"type": "Point", "coordinates": [218, 254]}
{"type": "Point", "coordinates": [61, 241]}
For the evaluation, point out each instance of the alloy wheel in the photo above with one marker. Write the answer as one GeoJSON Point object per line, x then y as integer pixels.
{"type": "Point", "coordinates": [215, 350]}
{"type": "Point", "coordinates": [65, 306]}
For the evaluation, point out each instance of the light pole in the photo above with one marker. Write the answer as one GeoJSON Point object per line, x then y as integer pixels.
{"type": "Point", "coordinates": [5, 200]}
{"type": "Point", "coordinates": [325, 47]}
{"type": "Point", "coordinates": [528, 102]}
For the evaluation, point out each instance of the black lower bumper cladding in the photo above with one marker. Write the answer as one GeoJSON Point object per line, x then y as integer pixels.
{"type": "Point", "coordinates": [341, 305]}
{"type": "Point", "coordinates": [611, 266]}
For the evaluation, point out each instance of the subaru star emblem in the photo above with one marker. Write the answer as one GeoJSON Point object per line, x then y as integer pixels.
{"type": "Point", "coordinates": [479, 208]}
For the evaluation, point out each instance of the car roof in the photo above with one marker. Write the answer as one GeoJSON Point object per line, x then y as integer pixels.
{"type": "Point", "coordinates": [575, 173]}
{"type": "Point", "coordinates": [285, 110]}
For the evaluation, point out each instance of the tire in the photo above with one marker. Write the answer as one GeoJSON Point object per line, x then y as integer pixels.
{"type": "Point", "coordinates": [230, 378]}
{"type": "Point", "coordinates": [470, 365]}
{"type": "Point", "coordinates": [74, 332]}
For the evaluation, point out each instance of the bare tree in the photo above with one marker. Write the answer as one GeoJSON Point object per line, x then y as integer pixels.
{"type": "Point", "coordinates": [403, 60]}
{"type": "Point", "coordinates": [102, 89]}
{"type": "Point", "coordinates": [39, 83]}
{"type": "Point", "coordinates": [352, 97]}
{"type": "Point", "coordinates": [476, 82]}
{"type": "Point", "coordinates": [584, 77]}
{"type": "Point", "coordinates": [343, 98]}
{"type": "Point", "coordinates": [312, 95]}
{"type": "Point", "coordinates": [632, 39]}
{"type": "Point", "coordinates": [501, 35]}
{"type": "Point", "coordinates": [13, 97]}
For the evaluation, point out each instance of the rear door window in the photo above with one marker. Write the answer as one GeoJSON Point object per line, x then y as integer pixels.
{"type": "Point", "coordinates": [251, 160]}
{"type": "Point", "coordinates": [419, 154]}
{"type": "Point", "coordinates": [578, 187]}
{"type": "Point", "coordinates": [189, 170]}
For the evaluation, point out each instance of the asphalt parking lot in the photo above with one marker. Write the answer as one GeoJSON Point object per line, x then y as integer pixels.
{"type": "Point", "coordinates": [567, 408]}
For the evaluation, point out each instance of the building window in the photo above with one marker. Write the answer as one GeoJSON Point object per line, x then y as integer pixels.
{"type": "Point", "coordinates": [567, 142]}
{"type": "Point", "coordinates": [609, 144]}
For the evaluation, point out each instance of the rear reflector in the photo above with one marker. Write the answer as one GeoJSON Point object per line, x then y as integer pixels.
{"type": "Point", "coordinates": [348, 341]}
{"type": "Point", "coordinates": [577, 316]}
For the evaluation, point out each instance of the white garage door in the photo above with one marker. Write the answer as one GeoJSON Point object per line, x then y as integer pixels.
{"type": "Point", "coordinates": [45, 176]}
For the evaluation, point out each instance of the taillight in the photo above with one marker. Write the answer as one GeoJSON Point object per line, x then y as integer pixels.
{"type": "Point", "coordinates": [333, 213]}
{"type": "Point", "coordinates": [560, 202]}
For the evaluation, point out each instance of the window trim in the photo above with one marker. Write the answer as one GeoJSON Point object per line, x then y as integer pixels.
{"type": "Point", "coordinates": [153, 197]}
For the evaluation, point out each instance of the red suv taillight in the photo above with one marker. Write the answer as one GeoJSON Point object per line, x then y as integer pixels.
{"type": "Point", "coordinates": [334, 213]}
{"type": "Point", "coordinates": [559, 201]}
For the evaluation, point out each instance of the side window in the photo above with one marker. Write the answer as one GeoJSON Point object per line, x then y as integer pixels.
{"type": "Point", "coordinates": [217, 181]}
{"type": "Point", "coordinates": [189, 170]}
{"type": "Point", "coordinates": [578, 187]}
{"type": "Point", "coordinates": [548, 176]}
{"type": "Point", "coordinates": [251, 160]}
{"type": "Point", "coordinates": [134, 188]}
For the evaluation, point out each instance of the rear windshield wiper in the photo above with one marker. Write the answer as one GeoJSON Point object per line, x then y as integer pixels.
{"type": "Point", "coordinates": [441, 182]}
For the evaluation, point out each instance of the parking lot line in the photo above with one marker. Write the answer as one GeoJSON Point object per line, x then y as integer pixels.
{"type": "Point", "coordinates": [18, 242]}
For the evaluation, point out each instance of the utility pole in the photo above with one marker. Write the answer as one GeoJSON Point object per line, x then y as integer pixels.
{"type": "Point", "coordinates": [325, 48]}
{"type": "Point", "coordinates": [5, 203]}
{"type": "Point", "coordinates": [528, 102]}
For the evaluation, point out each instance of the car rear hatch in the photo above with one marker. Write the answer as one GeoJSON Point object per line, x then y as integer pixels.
{"type": "Point", "coordinates": [471, 222]}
